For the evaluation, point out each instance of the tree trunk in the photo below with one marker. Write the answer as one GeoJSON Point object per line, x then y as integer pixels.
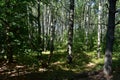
{"type": "Point", "coordinates": [43, 28]}
{"type": "Point", "coordinates": [110, 39]}
{"type": "Point", "coordinates": [70, 31]}
{"type": "Point", "coordinates": [87, 23]}
{"type": "Point", "coordinates": [99, 28]}
{"type": "Point", "coordinates": [39, 26]}
{"type": "Point", "coordinates": [53, 22]}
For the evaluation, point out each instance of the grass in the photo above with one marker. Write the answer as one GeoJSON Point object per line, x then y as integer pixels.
{"type": "Point", "coordinates": [58, 68]}
{"type": "Point", "coordinates": [81, 61]}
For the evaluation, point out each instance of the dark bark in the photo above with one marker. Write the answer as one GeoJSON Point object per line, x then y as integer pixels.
{"type": "Point", "coordinates": [43, 32]}
{"type": "Point", "coordinates": [70, 31]}
{"type": "Point", "coordinates": [110, 40]}
{"type": "Point", "coordinates": [39, 26]}
{"type": "Point", "coordinates": [9, 50]}
{"type": "Point", "coordinates": [39, 29]}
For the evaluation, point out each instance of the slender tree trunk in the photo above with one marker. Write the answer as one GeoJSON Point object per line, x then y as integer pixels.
{"type": "Point", "coordinates": [39, 26]}
{"type": "Point", "coordinates": [86, 23]}
{"type": "Point", "coordinates": [99, 28]}
{"type": "Point", "coordinates": [70, 31]}
{"type": "Point", "coordinates": [43, 28]}
{"type": "Point", "coordinates": [48, 21]}
{"type": "Point", "coordinates": [110, 39]}
{"type": "Point", "coordinates": [53, 22]}
{"type": "Point", "coordinates": [104, 21]}
{"type": "Point", "coordinates": [46, 28]}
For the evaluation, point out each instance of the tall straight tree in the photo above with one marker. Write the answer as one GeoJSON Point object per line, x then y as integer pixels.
{"type": "Point", "coordinates": [43, 26]}
{"type": "Point", "coordinates": [52, 36]}
{"type": "Point", "coordinates": [52, 22]}
{"type": "Point", "coordinates": [87, 22]}
{"type": "Point", "coordinates": [99, 27]}
{"type": "Point", "coordinates": [39, 26]}
{"type": "Point", "coordinates": [110, 39]}
{"type": "Point", "coordinates": [70, 31]}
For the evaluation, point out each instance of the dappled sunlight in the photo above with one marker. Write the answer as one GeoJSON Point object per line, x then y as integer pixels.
{"type": "Point", "coordinates": [90, 65]}
{"type": "Point", "coordinates": [42, 69]}
{"type": "Point", "coordinates": [46, 52]}
{"type": "Point", "coordinates": [82, 62]}
{"type": "Point", "coordinates": [57, 63]}
{"type": "Point", "coordinates": [59, 39]}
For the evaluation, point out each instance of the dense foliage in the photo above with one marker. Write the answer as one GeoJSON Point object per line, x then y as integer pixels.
{"type": "Point", "coordinates": [31, 28]}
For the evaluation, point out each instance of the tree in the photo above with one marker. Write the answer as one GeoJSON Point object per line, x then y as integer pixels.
{"type": "Point", "coordinates": [110, 39]}
{"type": "Point", "coordinates": [70, 31]}
{"type": "Point", "coordinates": [39, 26]}
{"type": "Point", "coordinates": [52, 36]}
{"type": "Point", "coordinates": [87, 22]}
{"type": "Point", "coordinates": [99, 27]}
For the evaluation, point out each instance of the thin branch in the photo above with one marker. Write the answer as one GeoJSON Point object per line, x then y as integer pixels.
{"type": "Point", "coordinates": [118, 22]}
{"type": "Point", "coordinates": [64, 6]}
{"type": "Point", "coordinates": [118, 11]}
{"type": "Point", "coordinates": [107, 6]}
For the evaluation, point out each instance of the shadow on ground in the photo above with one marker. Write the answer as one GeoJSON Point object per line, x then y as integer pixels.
{"type": "Point", "coordinates": [52, 73]}
{"type": "Point", "coordinates": [58, 69]}
{"type": "Point", "coordinates": [45, 75]}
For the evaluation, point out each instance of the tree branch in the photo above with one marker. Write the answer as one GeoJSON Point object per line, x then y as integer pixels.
{"type": "Point", "coordinates": [118, 22]}
{"type": "Point", "coordinates": [118, 11]}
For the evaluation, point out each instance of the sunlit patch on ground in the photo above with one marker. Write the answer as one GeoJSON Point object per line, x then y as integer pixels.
{"type": "Point", "coordinates": [83, 63]}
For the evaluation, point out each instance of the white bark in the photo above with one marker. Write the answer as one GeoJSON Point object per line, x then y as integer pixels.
{"type": "Point", "coordinates": [99, 28]}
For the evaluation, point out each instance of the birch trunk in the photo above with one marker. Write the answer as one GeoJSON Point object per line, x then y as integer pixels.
{"type": "Point", "coordinates": [70, 31]}
{"type": "Point", "coordinates": [99, 28]}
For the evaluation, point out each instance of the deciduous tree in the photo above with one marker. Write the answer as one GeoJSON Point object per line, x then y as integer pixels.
{"type": "Point", "coordinates": [110, 39]}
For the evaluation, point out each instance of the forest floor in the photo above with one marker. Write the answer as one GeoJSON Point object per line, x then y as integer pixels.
{"type": "Point", "coordinates": [84, 67]}
{"type": "Point", "coordinates": [20, 72]}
